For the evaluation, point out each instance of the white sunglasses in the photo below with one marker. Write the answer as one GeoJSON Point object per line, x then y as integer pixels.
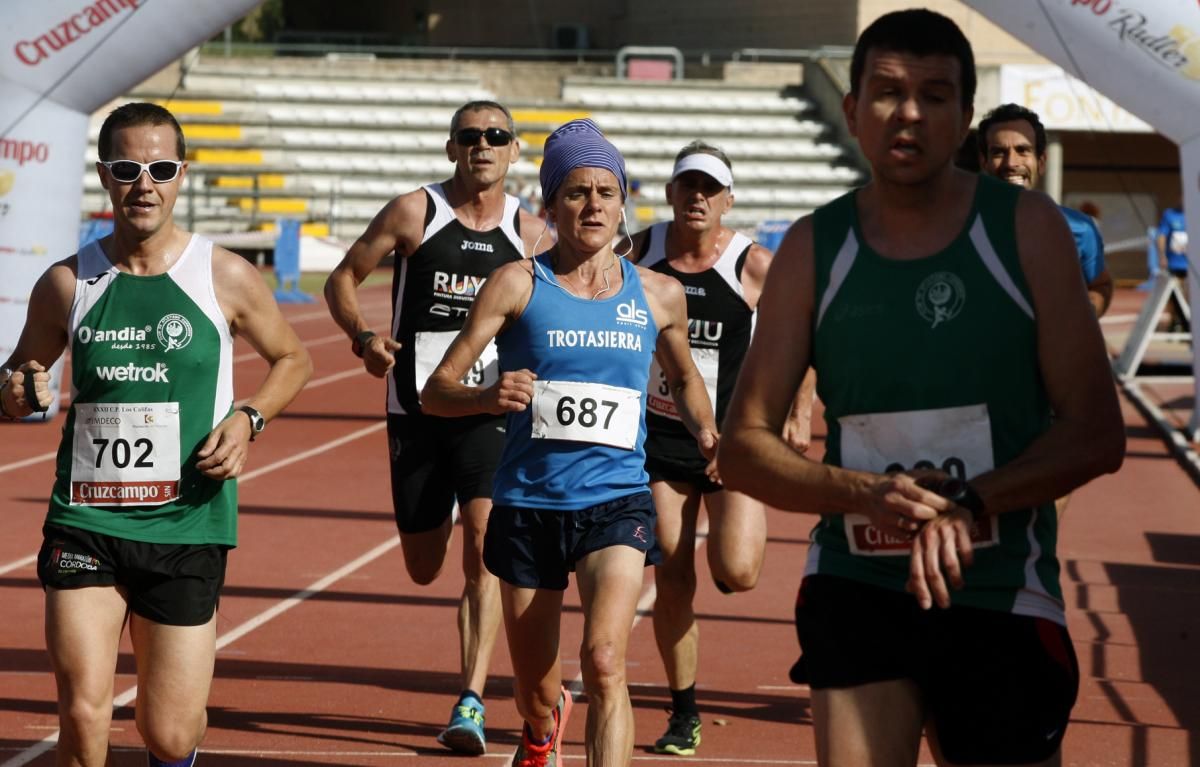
{"type": "Point", "coordinates": [128, 171]}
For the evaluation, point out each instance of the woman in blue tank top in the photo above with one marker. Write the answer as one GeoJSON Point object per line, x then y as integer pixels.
{"type": "Point", "coordinates": [575, 328]}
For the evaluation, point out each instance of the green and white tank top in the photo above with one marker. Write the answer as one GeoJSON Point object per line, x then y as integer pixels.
{"type": "Point", "coordinates": [151, 375]}
{"type": "Point", "coordinates": [933, 363]}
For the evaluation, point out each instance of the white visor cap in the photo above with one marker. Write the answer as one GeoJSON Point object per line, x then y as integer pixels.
{"type": "Point", "coordinates": [705, 163]}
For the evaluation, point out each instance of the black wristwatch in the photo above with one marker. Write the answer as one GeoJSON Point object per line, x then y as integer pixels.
{"type": "Point", "coordinates": [257, 422]}
{"type": "Point", "coordinates": [359, 344]}
{"type": "Point", "coordinates": [960, 493]}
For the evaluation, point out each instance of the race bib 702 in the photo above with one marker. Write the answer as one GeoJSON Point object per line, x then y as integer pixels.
{"type": "Point", "coordinates": [125, 454]}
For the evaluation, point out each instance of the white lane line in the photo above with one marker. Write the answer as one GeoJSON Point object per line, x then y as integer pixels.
{"type": "Point", "coordinates": [335, 377]}
{"type": "Point", "coordinates": [27, 462]}
{"type": "Point", "coordinates": [1116, 319]}
{"type": "Point", "coordinates": [306, 344]}
{"type": "Point", "coordinates": [47, 743]}
{"type": "Point", "coordinates": [18, 564]}
{"type": "Point", "coordinates": [316, 382]}
{"type": "Point", "coordinates": [316, 314]}
{"type": "Point", "coordinates": [310, 453]}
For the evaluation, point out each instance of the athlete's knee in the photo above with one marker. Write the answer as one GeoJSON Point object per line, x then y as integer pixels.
{"type": "Point", "coordinates": [739, 573]}
{"type": "Point", "coordinates": [172, 737]}
{"type": "Point", "coordinates": [422, 573]}
{"type": "Point", "coordinates": [85, 717]}
{"type": "Point", "coordinates": [676, 586]}
{"type": "Point", "coordinates": [603, 667]}
{"type": "Point", "coordinates": [424, 564]}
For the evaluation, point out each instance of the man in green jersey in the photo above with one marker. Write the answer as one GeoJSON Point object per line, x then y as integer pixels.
{"type": "Point", "coordinates": [144, 506]}
{"type": "Point", "coordinates": [966, 386]}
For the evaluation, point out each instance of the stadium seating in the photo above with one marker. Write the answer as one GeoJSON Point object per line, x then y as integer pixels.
{"type": "Point", "coordinates": [332, 142]}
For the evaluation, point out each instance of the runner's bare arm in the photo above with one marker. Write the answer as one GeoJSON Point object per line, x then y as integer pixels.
{"type": "Point", "coordinates": [754, 457]}
{"type": "Point", "coordinates": [502, 299]}
{"type": "Point", "coordinates": [669, 307]}
{"type": "Point", "coordinates": [253, 314]}
{"type": "Point", "coordinates": [397, 227]}
{"type": "Point", "coordinates": [797, 429]}
{"type": "Point", "coordinates": [41, 342]}
{"type": "Point", "coordinates": [1087, 436]}
{"type": "Point", "coordinates": [754, 273]}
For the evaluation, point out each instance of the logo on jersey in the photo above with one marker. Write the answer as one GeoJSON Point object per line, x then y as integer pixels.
{"type": "Point", "coordinates": [693, 290]}
{"type": "Point", "coordinates": [451, 285]}
{"type": "Point", "coordinates": [87, 335]}
{"type": "Point", "coordinates": [940, 298]}
{"type": "Point", "coordinates": [174, 332]}
{"type": "Point", "coordinates": [482, 247]}
{"type": "Point", "coordinates": [132, 372]}
{"type": "Point", "coordinates": [629, 314]}
{"type": "Point", "coordinates": [705, 330]}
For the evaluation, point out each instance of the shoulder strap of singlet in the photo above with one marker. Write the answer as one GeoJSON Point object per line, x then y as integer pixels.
{"type": "Point", "coordinates": [994, 236]}
{"type": "Point", "coordinates": [510, 222]}
{"type": "Point", "coordinates": [443, 214]}
{"type": "Point", "coordinates": [654, 246]}
{"type": "Point", "coordinates": [835, 247]}
{"type": "Point", "coordinates": [729, 265]}
{"type": "Point", "coordinates": [91, 261]}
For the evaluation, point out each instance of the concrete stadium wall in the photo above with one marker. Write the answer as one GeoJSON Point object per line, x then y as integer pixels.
{"type": "Point", "coordinates": [695, 25]}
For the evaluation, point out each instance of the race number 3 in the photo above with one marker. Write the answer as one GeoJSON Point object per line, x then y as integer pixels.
{"type": "Point", "coordinates": [659, 399]}
{"type": "Point", "coordinates": [586, 412]}
{"type": "Point", "coordinates": [125, 454]}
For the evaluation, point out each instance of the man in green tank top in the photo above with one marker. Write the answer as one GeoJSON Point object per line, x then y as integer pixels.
{"type": "Point", "coordinates": [947, 321]}
{"type": "Point", "coordinates": [144, 507]}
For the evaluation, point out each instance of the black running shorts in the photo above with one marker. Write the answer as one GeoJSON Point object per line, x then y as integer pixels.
{"type": "Point", "coordinates": [435, 460]}
{"type": "Point", "coordinates": [172, 584]}
{"type": "Point", "coordinates": [671, 458]}
{"type": "Point", "coordinates": [537, 548]}
{"type": "Point", "coordinates": [998, 687]}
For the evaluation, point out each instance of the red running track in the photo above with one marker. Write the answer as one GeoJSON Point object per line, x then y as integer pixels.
{"type": "Point", "coordinates": [329, 654]}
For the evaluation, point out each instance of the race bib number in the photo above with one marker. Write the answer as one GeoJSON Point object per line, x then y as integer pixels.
{"type": "Point", "coordinates": [125, 454]}
{"type": "Point", "coordinates": [586, 412]}
{"type": "Point", "coordinates": [659, 400]}
{"type": "Point", "coordinates": [429, 348]}
{"type": "Point", "coordinates": [957, 440]}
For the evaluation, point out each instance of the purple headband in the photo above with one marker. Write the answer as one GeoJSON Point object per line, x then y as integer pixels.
{"type": "Point", "coordinates": [578, 144]}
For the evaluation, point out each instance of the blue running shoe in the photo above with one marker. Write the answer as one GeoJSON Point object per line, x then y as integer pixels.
{"type": "Point", "coordinates": [464, 734]}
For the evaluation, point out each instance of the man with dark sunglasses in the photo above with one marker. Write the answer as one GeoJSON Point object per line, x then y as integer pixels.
{"type": "Point", "coordinates": [447, 238]}
{"type": "Point", "coordinates": [144, 507]}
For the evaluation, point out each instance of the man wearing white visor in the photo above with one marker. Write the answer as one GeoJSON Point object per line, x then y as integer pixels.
{"type": "Point", "coordinates": [722, 272]}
